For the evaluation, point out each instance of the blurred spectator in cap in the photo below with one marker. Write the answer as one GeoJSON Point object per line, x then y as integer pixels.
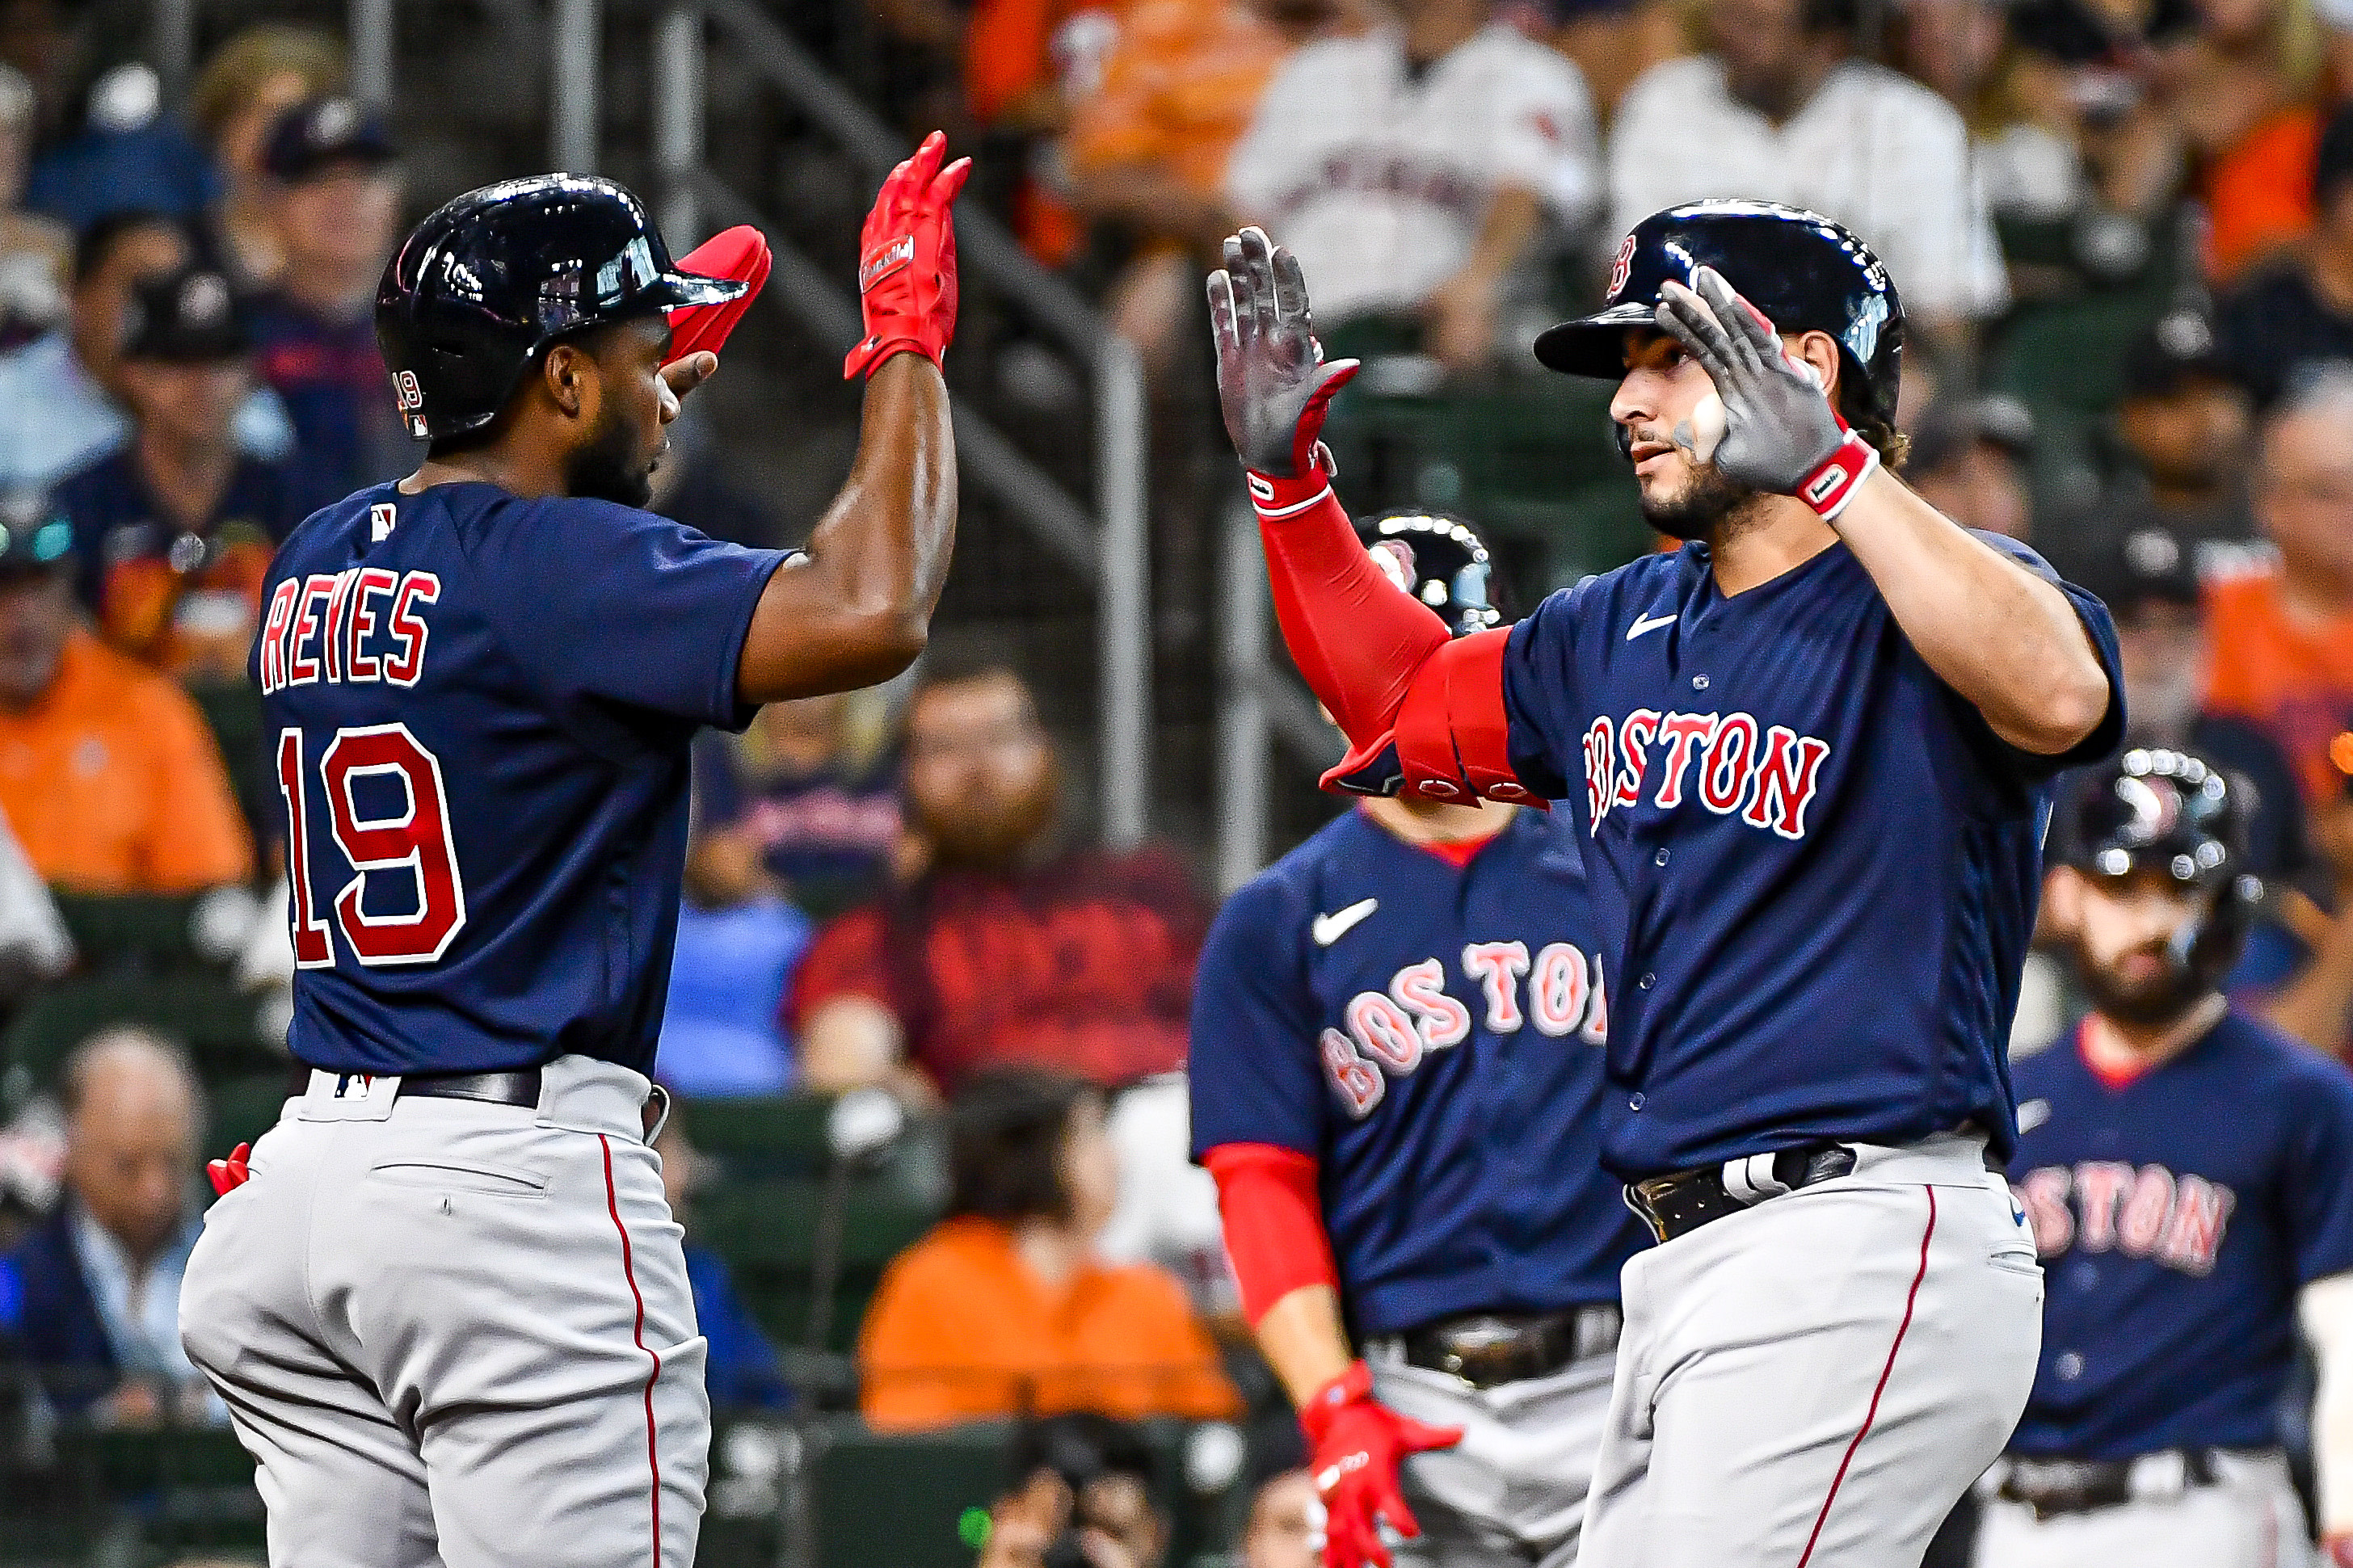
{"type": "Point", "coordinates": [2282, 635]}
{"type": "Point", "coordinates": [1968, 460]}
{"type": "Point", "coordinates": [2149, 582]}
{"type": "Point", "coordinates": [1080, 1480]}
{"type": "Point", "coordinates": [106, 773]}
{"type": "Point", "coordinates": [1007, 948]}
{"type": "Point", "coordinates": [337, 206]}
{"type": "Point", "coordinates": [104, 142]}
{"type": "Point", "coordinates": [60, 396]}
{"type": "Point", "coordinates": [1780, 109]}
{"type": "Point", "coordinates": [36, 252]}
{"type": "Point", "coordinates": [1411, 169]}
{"type": "Point", "coordinates": [178, 526]}
{"type": "Point", "coordinates": [804, 802]}
{"type": "Point", "coordinates": [249, 81]}
{"type": "Point", "coordinates": [2299, 310]}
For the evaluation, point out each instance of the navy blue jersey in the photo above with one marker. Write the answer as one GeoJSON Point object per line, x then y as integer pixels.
{"type": "Point", "coordinates": [2178, 1215]}
{"type": "Point", "coordinates": [1814, 864]}
{"type": "Point", "coordinates": [478, 710]}
{"type": "Point", "coordinates": [1432, 1035]}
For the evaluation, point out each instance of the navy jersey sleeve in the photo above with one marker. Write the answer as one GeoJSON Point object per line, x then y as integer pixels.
{"type": "Point", "coordinates": [1254, 1066]}
{"type": "Point", "coordinates": [2317, 1180]}
{"type": "Point", "coordinates": [607, 602]}
{"type": "Point", "coordinates": [1539, 670]}
{"type": "Point", "coordinates": [2101, 628]}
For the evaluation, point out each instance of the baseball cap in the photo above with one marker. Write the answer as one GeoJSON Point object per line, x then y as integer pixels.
{"type": "Point", "coordinates": [321, 131]}
{"type": "Point", "coordinates": [36, 537]}
{"type": "Point", "coordinates": [2147, 564]}
{"type": "Point", "coordinates": [2176, 349]}
{"type": "Point", "coordinates": [189, 317]}
{"type": "Point", "coordinates": [1950, 428]}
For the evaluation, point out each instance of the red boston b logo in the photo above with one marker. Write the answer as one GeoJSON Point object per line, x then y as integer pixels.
{"type": "Point", "coordinates": [1620, 270]}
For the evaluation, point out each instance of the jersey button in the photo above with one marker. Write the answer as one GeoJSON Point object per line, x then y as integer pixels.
{"type": "Point", "coordinates": [1659, 858]}
{"type": "Point", "coordinates": [1634, 1102]}
{"type": "Point", "coordinates": [1648, 979]}
{"type": "Point", "coordinates": [2069, 1366]}
{"type": "Point", "coordinates": [1699, 683]}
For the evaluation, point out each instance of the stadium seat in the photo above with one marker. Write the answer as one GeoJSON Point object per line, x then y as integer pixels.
{"type": "Point", "coordinates": [760, 1138]}
{"type": "Point", "coordinates": [111, 931]}
{"type": "Point", "coordinates": [899, 1498]}
{"type": "Point", "coordinates": [185, 1488]}
{"type": "Point", "coordinates": [768, 1231]}
{"type": "Point", "coordinates": [2064, 360]}
{"type": "Point", "coordinates": [243, 1109]}
{"type": "Point", "coordinates": [221, 1028]}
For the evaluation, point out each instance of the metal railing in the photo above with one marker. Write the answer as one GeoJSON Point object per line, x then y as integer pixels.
{"type": "Point", "coordinates": [1259, 702]}
{"type": "Point", "coordinates": [1110, 546]}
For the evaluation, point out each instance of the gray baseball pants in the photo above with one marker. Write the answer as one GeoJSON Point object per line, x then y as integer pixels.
{"type": "Point", "coordinates": [1814, 1382]}
{"type": "Point", "coordinates": [459, 1333]}
{"type": "Point", "coordinates": [2249, 1518]}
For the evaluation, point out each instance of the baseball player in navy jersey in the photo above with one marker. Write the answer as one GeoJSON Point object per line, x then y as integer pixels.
{"type": "Point", "coordinates": [2188, 1172]}
{"type": "Point", "coordinates": [1396, 1073]}
{"type": "Point", "coordinates": [1806, 758]}
{"type": "Point", "coordinates": [449, 1309]}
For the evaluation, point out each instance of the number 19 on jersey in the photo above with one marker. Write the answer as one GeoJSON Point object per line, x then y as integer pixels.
{"type": "Point", "coordinates": [400, 837]}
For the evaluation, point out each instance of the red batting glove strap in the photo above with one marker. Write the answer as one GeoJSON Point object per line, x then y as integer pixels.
{"type": "Point", "coordinates": [230, 1173]}
{"type": "Point", "coordinates": [907, 261]}
{"type": "Point", "coordinates": [1358, 1443]}
{"type": "Point", "coordinates": [1277, 498]}
{"type": "Point", "coordinates": [1833, 484]}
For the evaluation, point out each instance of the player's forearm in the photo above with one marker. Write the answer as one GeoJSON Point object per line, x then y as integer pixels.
{"type": "Point", "coordinates": [1302, 1341]}
{"type": "Point", "coordinates": [2006, 640]}
{"type": "Point", "coordinates": [2316, 1006]}
{"type": "Point", "coordinates": [1147, 196]}
{"type": "Point", "coordinates": [1503, 234]}
{"type": "Point", "coordinates": [857, 607]}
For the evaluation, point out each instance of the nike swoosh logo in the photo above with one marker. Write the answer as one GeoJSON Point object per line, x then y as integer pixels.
{"type": "Point", "coordinates": [1329, 928]}
{"type": "Point", "coordinates": [2033, 1114]}
{"type": "Point", "coordinates": [1648, 623]}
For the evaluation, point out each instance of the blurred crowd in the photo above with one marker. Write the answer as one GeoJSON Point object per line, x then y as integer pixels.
{"type": "Point", "coordinates": [889, 893]}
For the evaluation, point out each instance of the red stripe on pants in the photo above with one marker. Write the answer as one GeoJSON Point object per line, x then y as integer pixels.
{"type": "Point", "coordinates": [1910, 1300]}
{"type": "Point", "coordinates": [653, 1459]}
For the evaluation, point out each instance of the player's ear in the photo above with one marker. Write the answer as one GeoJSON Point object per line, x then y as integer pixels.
{"type": "Point", "coordinates": [565, 373]}
{"type": "Point", "coordinates": [1820, 350]}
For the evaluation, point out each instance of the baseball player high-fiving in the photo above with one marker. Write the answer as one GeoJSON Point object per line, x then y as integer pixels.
{"type": "Point", "coordinates": [2188, 1172]}
{"type": "Point", "coordinates": [449, 1309]}
{"type": "Point", "coordinates": [1395, 1074]}
{"type": "Point", "coordinates": [1807, 759]}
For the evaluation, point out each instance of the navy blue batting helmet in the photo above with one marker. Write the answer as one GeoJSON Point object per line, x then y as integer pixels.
{"type": "Point", "coordinates": [1807, 273]}
{"type": "Point", "coordinates": [1440, 559]}
{"type": "Point", "coordinates": [483, 287]}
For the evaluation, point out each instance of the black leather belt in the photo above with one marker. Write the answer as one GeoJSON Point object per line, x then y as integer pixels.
{"type": "Point", "coordinates": [1679, 1203]}
{"type": "Point", "coordinates": [1488, 1349]}
{"type": "Point", "coordinates": [520, 1087]}
{"type": "Point", "coordinates": [2055, 1487]}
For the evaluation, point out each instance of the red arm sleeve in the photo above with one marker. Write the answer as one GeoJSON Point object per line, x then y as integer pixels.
{"type": "Point", "coordinates": [1380, 661]}
{"type": "Point", "coordinates": [1274, 1222]}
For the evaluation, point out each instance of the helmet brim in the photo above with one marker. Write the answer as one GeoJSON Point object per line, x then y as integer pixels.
{"type": "Point", "coordinates": [673, 290]}
{"type": "Point", "coordinates": [1593, 345]}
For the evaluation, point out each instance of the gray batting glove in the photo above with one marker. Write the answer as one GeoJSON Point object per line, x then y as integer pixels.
{"type": "Point", "coordinates": [1273, 382]}
{"type": "Point", "coordinates": [1779, 428]}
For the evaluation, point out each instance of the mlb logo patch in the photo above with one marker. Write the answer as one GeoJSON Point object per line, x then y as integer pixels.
{"type": "Point", "coordinates": [354, 1086]}
{"type": "Point", "coordinates": [381, 516]}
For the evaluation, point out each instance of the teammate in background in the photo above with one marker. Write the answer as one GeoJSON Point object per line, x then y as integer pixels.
{"type": "Point", "coordinates": [1807, 760]}
{"type": "Point", "coordinates": [2187, 1171]}
{"type": "Point", "coordinates": [450, 1310]}
{"type": "Point", "coordinates": [1395, 1071]}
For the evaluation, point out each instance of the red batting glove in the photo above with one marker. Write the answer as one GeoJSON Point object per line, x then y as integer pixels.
{"type": "Point", "coordinates": [740, 254]}
{"type": "Point", "coordinates": [907, 261]}
{"type": "Point", "coordinates": [1356, 1442]}
{"type": "Point", "coordinates": [231, 1173]}
{"type": "Point", "coordinates": [2338, 1551]}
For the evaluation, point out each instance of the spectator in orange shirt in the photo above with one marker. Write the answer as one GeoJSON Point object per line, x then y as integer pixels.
{"type": "Point", "coordinates": [1003, 1309]}
{"type": "Point", "coordinates": [1004, 951]}
{"type": "Point", "coordinates": [108, 777]}
{"type": "Point", "coordinates": [2283, 637]}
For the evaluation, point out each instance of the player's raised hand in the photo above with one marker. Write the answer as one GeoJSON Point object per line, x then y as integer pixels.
{"type": "Point", "coordinates": [1358, 1443]}
{"type": "Point", "coordinates": [907, 260]}
{"type": "Point", "coordinates": [1779, 428]}
{"type": "Point", "coordinates": [1273, 382]}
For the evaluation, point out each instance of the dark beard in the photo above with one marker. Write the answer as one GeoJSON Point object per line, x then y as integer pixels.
{"type": "Point", "coordinates": [1700, 512]}
{"type": "Point", "coordinates": [606, 467]}
{"type": "Point", "coordinates": [2160, 1002]}
{"type": "Point", "coordinates": [964, 840]}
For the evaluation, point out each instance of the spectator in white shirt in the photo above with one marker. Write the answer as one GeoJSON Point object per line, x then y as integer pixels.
{"type": "Point", "coordinates": [1778, 112]}
{"type": "Point", "coordinates": [1409, 168]}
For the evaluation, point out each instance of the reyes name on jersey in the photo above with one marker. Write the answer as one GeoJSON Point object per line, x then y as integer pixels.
{"type": "Point", "coordinates": [1814, 864]}
{"type": "Point", "coordinates": [2177, 1214]}
{"type": "Point", "coordinates": [478, 709]}
{"type": "Point", "coordinates": [1431, 1035]}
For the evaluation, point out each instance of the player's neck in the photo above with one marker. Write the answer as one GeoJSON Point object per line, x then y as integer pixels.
{"type": "Point", "coordinates": [2127, 1050]}
{"type": "Point", "coordinates": [517, 473]}
{"type": "Point", "coordinates": [1776, 535]}
{"type": "Point", "coordinates": [1436, 29]}
{"type": "Point", "coordinates": [1433, 822]}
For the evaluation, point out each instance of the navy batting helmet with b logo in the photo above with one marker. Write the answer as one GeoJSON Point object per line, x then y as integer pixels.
{"type": "Point", "coordinates": [1807, 273]}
